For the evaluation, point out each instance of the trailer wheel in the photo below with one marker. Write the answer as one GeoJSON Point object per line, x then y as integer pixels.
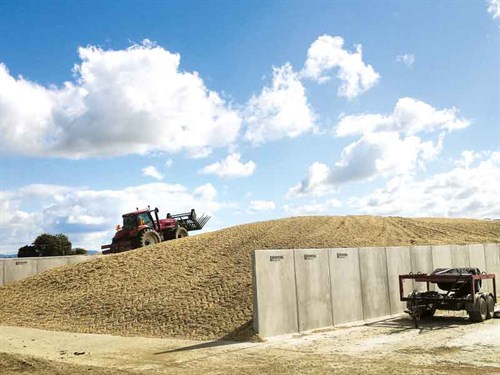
{"type": "Point", "coordinates": [480, 310]}
{"type": "Point", "coordinates": [428, 312]}
{"type": "Point", "coordinates": [490, 306]}
{"type": "Point", "coordinates": [181, 232]}
{"type": "Point", "coordinates": [148, 237]}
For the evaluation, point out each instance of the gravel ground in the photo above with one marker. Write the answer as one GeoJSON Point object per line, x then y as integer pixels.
{"type": "Point", "coordinates": [201, 287]}
{"type": "Point", "coordinates": [445, 345]}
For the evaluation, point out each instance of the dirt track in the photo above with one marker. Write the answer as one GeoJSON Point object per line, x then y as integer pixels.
{"type": "Point", "coordinates": [444, 346]}
{"type": "Point", "coordinates": [200, 287]}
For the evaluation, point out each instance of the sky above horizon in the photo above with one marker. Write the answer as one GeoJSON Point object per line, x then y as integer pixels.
{"type": "Point", "coordinates": [245, 111]}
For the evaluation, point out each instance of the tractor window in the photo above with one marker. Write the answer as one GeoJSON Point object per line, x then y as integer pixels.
{"type": "Point", "coordinates": [129, 222]}
{"type": "Point", "coordinates": [144, 219]}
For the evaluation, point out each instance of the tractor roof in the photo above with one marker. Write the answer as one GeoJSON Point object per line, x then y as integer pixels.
{"type": "Point", "coordinates": [136, 212]}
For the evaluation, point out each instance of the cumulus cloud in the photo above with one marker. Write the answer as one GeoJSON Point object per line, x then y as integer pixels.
{"type": "Point", "coordinates": [467, 190]}
{"type": "Point", "coordinates": [280, 111]}
{"type": "Point", "coordinates": [151, 171]}
{"type": "Point", "coordinates": [132, 101]}
{"type": "Point", "coordinates": [260, 205]}
{"type": "Point", "coordinates": [410, 116]}
{"type": "Point", "coordinates": [89, 216]}
{"type": "Point", "coordinates": [231, 166]}
{"type": "Point", "coordinates": [408, 59]}
{"type": "Point", "coordinates": [388, 146]}
{"type": "Point", "coordinates": [327, 53]}
{"type": "Point", "coordinates": [494, 8]}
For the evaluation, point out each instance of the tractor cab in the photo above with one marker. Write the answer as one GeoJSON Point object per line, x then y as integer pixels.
{"type": "Point", "coordinates": [137, 219]}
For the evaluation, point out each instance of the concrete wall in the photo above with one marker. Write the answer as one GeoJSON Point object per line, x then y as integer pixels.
{"type": "Point", "coordinates": [13, 269]}
{"type": "Point", "coordinates": [374, 282]}
{"type": "Point", "coordinates": [492, 259]}
{"type": "Point", "coordinates": [398, 263]}
{"type": "Point", "coordinates": [312, 275]}
{"type": "Point", "coordinates": [300, 290]}
{"type": "Point", "coordinates": [275, 295]}
{"type": "Point", "coordinates": [345, 283]}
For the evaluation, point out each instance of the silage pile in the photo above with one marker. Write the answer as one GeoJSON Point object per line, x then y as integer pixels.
{"type": "Point", "coordinates": [201, 287]}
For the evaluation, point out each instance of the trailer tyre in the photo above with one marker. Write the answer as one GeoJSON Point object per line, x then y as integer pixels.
{"type": "Point", "coordinates": [490, 306]}
{"type": "Point", "coordinates": [149, 237]}
{"type": "Point", "coordinates": [428, 312]}
{"type": "Point", "coordinates": [181, 232]}
{"type": "Point", "coordinates": [480, 310]}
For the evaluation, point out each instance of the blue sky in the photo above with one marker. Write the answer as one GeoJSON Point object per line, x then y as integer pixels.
{"type": "Point", "coordinates": [245, 110]}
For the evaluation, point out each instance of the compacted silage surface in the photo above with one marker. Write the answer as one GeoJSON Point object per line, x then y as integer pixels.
{"type": "Point", "coordinates": [201, 287]}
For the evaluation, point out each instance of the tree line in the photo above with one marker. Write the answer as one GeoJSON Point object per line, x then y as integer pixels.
{"type": "Point", "coordinates": [49, 245]}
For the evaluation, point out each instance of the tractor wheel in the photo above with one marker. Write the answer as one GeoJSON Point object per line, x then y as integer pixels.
{"type": "Point", "coordinates": [490, 306]}
{"type": "Point", "coordinates": [181, 232]}
{"type": "Point", "coordinates": [149, 237]}
{"type": "Point", "coordinates": [481, 311]}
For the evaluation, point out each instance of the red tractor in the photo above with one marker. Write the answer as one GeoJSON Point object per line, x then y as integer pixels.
{"type": "Point", "coordinates": [140, 229]}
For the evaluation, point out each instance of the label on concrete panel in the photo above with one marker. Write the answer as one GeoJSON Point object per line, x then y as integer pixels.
{"type": "Point", "coordinates": [398, 263]}
{"type": "Point", "coordinates": [459, 256]}
{"type": "Point", "coordinates": [347, 303]}
{"type": "Point", "coordinates": [374, 282]}
{"type": "Point", "coordinates": [313, 289]}
{"type": "Point", "coordinates": [275, 297]}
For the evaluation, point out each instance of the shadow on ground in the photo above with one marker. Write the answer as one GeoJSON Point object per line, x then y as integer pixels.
{"type": "Point", "coordinates": [243, 333]}
{"type": "Point", "coordinates": [425, 325]}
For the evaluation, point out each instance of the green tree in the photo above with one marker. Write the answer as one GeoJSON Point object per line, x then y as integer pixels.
{"type": "Point", "coordinates": [52, 245]}
{"type": "Point", "coordinates": [27, 251]}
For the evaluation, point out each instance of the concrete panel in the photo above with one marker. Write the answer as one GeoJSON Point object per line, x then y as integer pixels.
{"type": "Point", "coordinates": [492, 260]}
{"type": "Point", "coordinates": [46, 263]}
{"type": "Point", "coordinates": [459, 256]}
{"type": "Point", "coordinates": [398, 263]}
{"type": "Point", "coordinates": [347, 301]}
{"type": "Point", "coordinates": [19, 268]}
{"type": "Point", "coordinates": [374, 282]}
{"type": "Point", "coordinates": [314, 300]}
{"type": "Point", "coordinates": [441, 256]}
{"type": "Point", "coordinates": [1, 271]}
{"type": "Point", "coordinates": [476, 257]}
{"type": "Point", "coordinates": [76, 258]}
{"type": "Point", "coordinates": [275, 297]}
{"type": "Point", "coordinates": [421, 261]}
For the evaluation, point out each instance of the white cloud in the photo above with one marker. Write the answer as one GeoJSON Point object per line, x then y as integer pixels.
{"type": "Point", "coordinates": [231, 166]}
{"type": "Point", "coordinates": [494, 8]}
{"type": "Point", "coordinates": [89, 216]}
{"type": "Point", "coordinates": [408, 59]}
{"type": "Point", "coordinates": [313, 208]}
{"type": "Point", "coordinates": [388, 146]}
{"type": "Point", "coordinates": [132, 101]}
{"type": "Point", "coordinates": [259, 206]}
{"type": "Point", "coordinates": [169, 163]}
{"type": "Point", "coordinates": [316, 182]}
{"type": "Point", "coordinates": [327, 53]}
{"type": "Point", "coordinates": [410, 116]}
{"type": "Point", "coordinates": [151, 171]}
{"type": "Point", "coordinates": [468, 190]}
{"type": "Point", "coordinates": [280, 111]}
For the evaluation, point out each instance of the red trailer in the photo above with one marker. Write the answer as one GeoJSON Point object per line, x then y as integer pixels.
{"type": "Point", "coordinates": [457, 289]}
